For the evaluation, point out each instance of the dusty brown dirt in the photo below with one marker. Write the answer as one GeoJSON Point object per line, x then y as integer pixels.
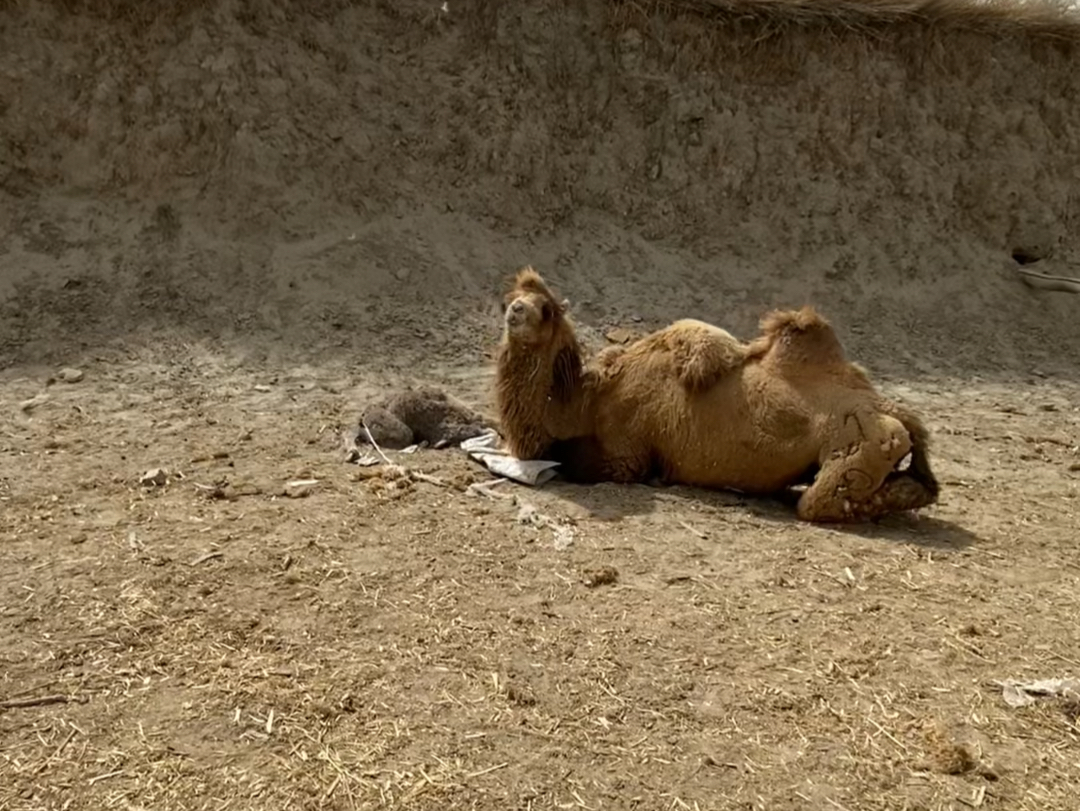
{"type": "Point", "coordinates": [420, 647]}
{"type": "Point", "coordinates": [360, 176]}
{"type": "Point", "coordinates": [243, 221]}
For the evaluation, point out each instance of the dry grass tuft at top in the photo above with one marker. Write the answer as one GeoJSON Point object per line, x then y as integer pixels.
{"type": "Point", "coordinates": [1057, 19]}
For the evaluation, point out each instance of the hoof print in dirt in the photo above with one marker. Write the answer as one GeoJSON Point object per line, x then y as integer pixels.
{"type": "Point", "coordinates": [421, 415]}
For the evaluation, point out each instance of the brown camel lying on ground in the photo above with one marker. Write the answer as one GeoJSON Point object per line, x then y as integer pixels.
{"type": "Point", "coordinates": [690, 404]}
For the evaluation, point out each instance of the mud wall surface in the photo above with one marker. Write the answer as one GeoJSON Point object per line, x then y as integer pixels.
{"type": "Point", "coordinates": [363, 175]}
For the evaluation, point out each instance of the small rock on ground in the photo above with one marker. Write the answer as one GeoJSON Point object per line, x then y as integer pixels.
{"type": "Point", "coordinates": [156, 477]}
{"type": "Point", "coordinates": [69, 375]}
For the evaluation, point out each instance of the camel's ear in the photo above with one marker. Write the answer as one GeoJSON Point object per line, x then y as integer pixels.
{"type": "Point", "coordinates": [564, 305]}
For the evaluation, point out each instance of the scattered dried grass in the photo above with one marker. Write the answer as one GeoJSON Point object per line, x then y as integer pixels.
{"type": "Point", "coordinates": [125, 685]}
{"type": "Point", "coordinates": [773, 40]}
{"type": "Point", "coordinates": [770, 41]}
{"type": "Point", "coordinates": [447, 679]}
{"type": "Point", "coordinates": [1057, 19]}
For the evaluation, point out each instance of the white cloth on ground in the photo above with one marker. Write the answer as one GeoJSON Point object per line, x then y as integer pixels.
{"type": "Point", "coordinates": [486, 450]}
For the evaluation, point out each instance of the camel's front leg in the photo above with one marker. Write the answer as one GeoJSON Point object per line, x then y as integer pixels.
{"type": "Point", "coordinates": [857, 481]}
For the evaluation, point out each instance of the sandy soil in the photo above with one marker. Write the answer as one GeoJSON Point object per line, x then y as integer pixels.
{"type": "Point", "coordinates": [243, 222]}
{"type": "Point", "coordinates": [218, 643]}
{"type": "Point", "coordinates": [363, 175]}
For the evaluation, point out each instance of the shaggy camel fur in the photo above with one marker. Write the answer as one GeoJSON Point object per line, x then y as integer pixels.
{"type": "Point", "coordinates": [421, 414]}
{"type": "Point", "coordinates": [690, 404]}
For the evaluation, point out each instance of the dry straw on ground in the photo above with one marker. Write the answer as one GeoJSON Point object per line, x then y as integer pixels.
{"type": "Point", "coordinates": [772, 40]}
{"type": "Point", "coordinates": [165, 649]}
{"type": "Point", "coordinates": [202, 645]}
{"type": "Point", "coordinates": [1056, 18]}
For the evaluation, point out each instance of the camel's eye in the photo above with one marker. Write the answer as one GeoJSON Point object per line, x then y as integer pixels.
{"type": "Point", "coordinates": [545, 311]}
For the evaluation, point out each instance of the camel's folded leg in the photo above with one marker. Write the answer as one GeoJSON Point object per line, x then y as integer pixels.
{"type": "Point", "coordinates": [584, 460]}
{"type": "Point", "coordinates": [858, 481]}
{"type": "Point", "coordinates": [580, 459]}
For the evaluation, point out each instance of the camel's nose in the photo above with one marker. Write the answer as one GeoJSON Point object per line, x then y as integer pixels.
{"type": "Point", "coordinates": [517, 307]}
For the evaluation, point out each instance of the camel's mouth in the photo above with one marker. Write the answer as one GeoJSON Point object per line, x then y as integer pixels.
{"type": "Point", "coordinates": [516, 315]}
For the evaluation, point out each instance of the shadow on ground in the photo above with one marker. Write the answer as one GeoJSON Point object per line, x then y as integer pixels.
{"type": "Point", "coordinates": [613, 502]}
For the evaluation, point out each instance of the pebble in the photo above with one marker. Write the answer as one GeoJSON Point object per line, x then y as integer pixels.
{"type": "Point", "coordinates": [155, 477]}
{"type": "Point", "coordinates": [620, 335]}
{"type": "Point", "coordinates": [69, 375]}
{"type": "Point", "coordinates": [300, 488]}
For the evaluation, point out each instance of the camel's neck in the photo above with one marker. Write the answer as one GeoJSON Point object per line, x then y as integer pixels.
{"type": "Point", "coordinates": [540, 397]}
{"type": "Point", "coordinates": [529, 373]}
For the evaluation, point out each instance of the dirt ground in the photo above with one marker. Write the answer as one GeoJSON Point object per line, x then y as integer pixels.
{"type": "Point", "coordinates": [361, 175]}
{"type": "Point", "coordinates": [242, 221]}
{"type": "Point", "coordinates": [214, 643]}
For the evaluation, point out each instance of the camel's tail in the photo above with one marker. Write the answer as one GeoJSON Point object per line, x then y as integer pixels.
{"type": "Point", "coordinates": [800, 337]}
{"type": "Point", "coordinates": [920, 468]}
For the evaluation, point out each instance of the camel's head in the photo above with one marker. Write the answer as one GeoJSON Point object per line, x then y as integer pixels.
{"type": "Point", "coordinates": [533, 315]}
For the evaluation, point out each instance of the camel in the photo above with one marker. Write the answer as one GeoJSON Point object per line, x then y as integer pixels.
{"type": "Point", "coordinates": [690, 404]}
{"type": "Point", "coordinates": [420, 414]}
{"type": "Point", "coordinates": [701, 353]}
